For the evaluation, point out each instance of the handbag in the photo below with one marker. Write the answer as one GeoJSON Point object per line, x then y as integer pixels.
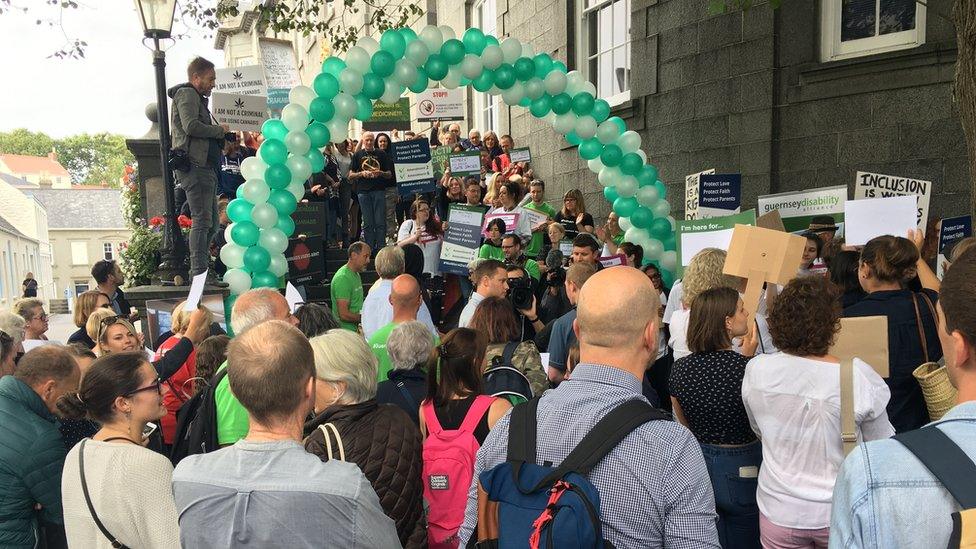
{"type": "Point", "coordinates": [328, 430]}
{"type": "Point", "coordinates": [91, 508]}
{"type": "Point", "coordinates": [938, 391]}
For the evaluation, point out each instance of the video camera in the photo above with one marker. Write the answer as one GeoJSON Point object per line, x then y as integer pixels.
{"type": "Point", "coordinates": [520, 293]}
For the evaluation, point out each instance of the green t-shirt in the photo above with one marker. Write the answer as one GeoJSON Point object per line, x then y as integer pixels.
{"type": "Point", "coordinates": [535, 245]}
{"type": "Point", "coordinates": [232, 422]}
{"type": "Point", "coordinates": [348, 285]}
{"type": "Point", "coordinates": [532, 267]}
{"type": "Point", "coordinates": [488, 251]}
{"type": "Point", "coordinates": [378, 345]}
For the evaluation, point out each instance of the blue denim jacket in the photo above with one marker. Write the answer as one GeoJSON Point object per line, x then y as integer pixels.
{"type": "Point", "coordinates": [885, 497]}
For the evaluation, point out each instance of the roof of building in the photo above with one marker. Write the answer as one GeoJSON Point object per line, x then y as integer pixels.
{"type": "Point", "coordinates": [6, 227]}
{"type": "Point", "coordinates": [19, 163]}
{"type": "Point", "coordinates": [81, 208]}
{"type": "Point", "coordinates": [16, 181]}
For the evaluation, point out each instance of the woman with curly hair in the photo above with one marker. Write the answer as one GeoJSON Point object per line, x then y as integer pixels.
{"type": "Point", "coordinates": [704, 272]}
{"type": "Point", "coordinates": [792, 399]}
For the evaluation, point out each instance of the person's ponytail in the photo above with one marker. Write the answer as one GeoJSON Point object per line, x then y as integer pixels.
{"type": "Point", "coordinates": [72, 407]}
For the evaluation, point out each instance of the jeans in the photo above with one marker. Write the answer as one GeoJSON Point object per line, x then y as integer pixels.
{"type": "Point", "coordinates": [734, 473]}
{"type": "Point", "coordinates": [372, 204]}
{"type": "Point", "coordinates": [342, 203]}
{"type": "Point", "coordinates": [200, 185]}
{"type": "Point", "coordinates": [392, 208]}
{"type": "Point", "coordinates": [330, 230]}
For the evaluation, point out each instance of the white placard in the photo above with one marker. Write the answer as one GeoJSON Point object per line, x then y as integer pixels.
{"type": "Point", "coordinates": [692, 243]}
{"type": "Point", "coordinates": [545, 362]}
{"type": "Point", "coordinates": [520, 155]}
{"type": "Point", "coordinates": [280, 64]}
{"type": "Point", "coordinates": [878, 185]}
{"type": "Point", "coordinates": [293, 297]}
{"type": "Point", "coordinates": [240, 112]}
{"type": "Point", "coordinates": [871, 217]}
{"type": "Point", "coordinates": [470, 163]}
{"type": "Point", "coordinates": [440, 104]}
{"type": "Point", "coordinates": [196, 292]}
{"type": "Point", "coordinates": [247, 80]}
{"type": "Point", "coordinates": [691, 194]}
{"type": "Point", "coordinates": [535, 217]}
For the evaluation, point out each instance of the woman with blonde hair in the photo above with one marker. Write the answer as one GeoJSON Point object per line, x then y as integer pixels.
{"type": "Point", "coordinates": [491, 194]}
{"type": "Point", "coordinates": [704, 272]}
{"type": "Point", "coordinates": [573, 214]}
{"type": "Point", "coordinates": [87, 303]}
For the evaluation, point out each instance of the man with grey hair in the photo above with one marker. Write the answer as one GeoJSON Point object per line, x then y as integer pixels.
{"type": "Point", "coordinates": [406, 300]}
{"type": "Point", "coordinates": [377, 309]}
{"type": "Point", "coordinates": [346, 288]}
{"type": "Point", "coordinates": [409, 349]}
{"type": "Point", "coordinates": [252, 308]}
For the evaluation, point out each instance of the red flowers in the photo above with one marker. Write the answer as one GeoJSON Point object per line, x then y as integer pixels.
{"type": "Point", "coordinates": [156, 221]}
{"type": "Point", "coordinates": [184, 221]}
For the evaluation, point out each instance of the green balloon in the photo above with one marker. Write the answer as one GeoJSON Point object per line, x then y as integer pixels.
{"type": "Point", "coordinates": [559, 66]}
{"type": "Point", "coordinates": [273, 151]}
{"type": "Point", "coordinates": [408, 34]}
{"type": "Point", "coordinates": [661, 188]}
{"type": "Point", "coordinates": [422, 81]}
{"type": "Point", "coordinates": [525, 102]}
{"type": "Point", "coordinates": [601, 110]}
{"type": "Point", "coordinates": [383, 63]}
{"type": "Point", "coordinates": [489, 39]}
{"type": "Point", "coordinates": [393, 43]}
{"type": "Point", "coordinates": [436, 67]}
{"type": "Point", "coordinates": [619, 122]}
{"type": "Point", "coordinates": [364, 108]}
{"type": "Point", "coordinates": [263, 279]}
{"type": "Point", "coordinates": [590, 149]}
{"type": "Point", "coordinates": [326, 85]}
{"type": "Point", "coordinates": [582, 104]}
{"type": "Point", "coordinates": [540, 107]}
{"type": "Point", "coordinates": [631, 164]}
{"type": "Point", "coordinates": [561, 104]}
{"type": "Point", "coordinates": [574, 139]}
{"type": "Point", "coordinates": [283, 201]}
{"type": "Point", "coordinates": [669, 243]}
{"type": "Point", "coordinates": [474, 41]}
{"type": "Point", "coordinates": [239, 210]}
{"type": "Point", "coordinates": [256, 258]}
{"type": "Point", "coordinates": [659, 228]}
{"type": "Point", "coordinates": [625, 207]}
{"type": "Point", "coordinates": [647, 175]}
{"type": "Point", "coordinates": [504, 76]}
{"type": "Point", "coordinates": [318, 134]}
{"type": "Point", "coordinates": [485, 80]}
{"type": "Point", "coordinates": [641, 218]}
{"type": "Point", "coordinates": [524, 69]}
{"type": "Point", "coordinates": [611, 156]}
{"type": "Point", "coordinates": [316, 159]}
{"type": "Point", "coordinates": [286, 225]}
{"type": "Point", "coordinates": [453, 51]}
{"type": "Point", "coordinates": [610, 193]}
{"type": "Point", "coordinates": [321, 109]}
{"type": "Point", "coordinates": [274, 129]}
{"type": "Point", "coordinates": [244, 233]}
{"type": "Point", "coordinates": [333, 65]}
{"type": "Point", "coordinates": [373, 86]}
{"type": "Point", "coordinates": [277, 176]}
{"type": "Point", "coordinates": [543, 64]}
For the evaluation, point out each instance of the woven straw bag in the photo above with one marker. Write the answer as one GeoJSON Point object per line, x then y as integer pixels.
{"type": "Point", "coordinates": [939, 393]}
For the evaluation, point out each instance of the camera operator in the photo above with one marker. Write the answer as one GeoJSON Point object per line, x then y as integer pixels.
{"type": "Point", "coordinates": [553, 302]}
{"type": "Point", "coordinates": [521, 294]}
{"type": "Point", "coordinates": [558, 335]}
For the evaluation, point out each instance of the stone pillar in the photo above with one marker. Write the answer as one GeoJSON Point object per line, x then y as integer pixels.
{"type": "Point", "coordinates": [146, 151]}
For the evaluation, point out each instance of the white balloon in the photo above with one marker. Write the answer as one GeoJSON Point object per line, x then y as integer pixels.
{"type": "Point", "coordinates": [607, 132]}
{"type": "Point", "coordinates": [417, 52]}
{"type": "Point", "coordinates": [624, 223]}
{"type": "Point", "coordinates": [303, 95]}
{"type": "Point", "coordinates": [492, 56]}
{"type": "Point", "coordinates": [279, 265]}
{"type": "Point", "coordinates": [595, 165]}
{"type": "Point", "coordinates": [585, 127]}
{"type": "Point", "coordinates": [627, 186]}
{"type": "Point", "coordinates": [338, 129]}
{"type": "Point", "coordinates": [629, 142]}
{"type": "Point", "coordinates": [609, 176]}
{"type": "Point", "coordinates": [264, 215]}
{"type": "Point", "coordinates": [534, 88]}
{"type": "Point", "coordinates": [643, 155]}
{"type": "Point", "coordinates": [300, 166]}
{"type": "Point", "coordinates": [589, 88]}
{"type": "Point", "coordinates": [405, 72]}
{"type": "Point", "coordinates": [273, 240]}
{"type": "Point", "coordinates": [574, 82]}
{"type": "Point", "coordinates": [350, 81]}
{"type": "Point", "coordinates": [253, 167]}
{"type": "Point", "coordinates": [255, 191]}
{"type": "Point", "coordinates": [432, 37]}
{"type": "Point", "coordinates": [232, 255]}
{"type": "Point", "coordinates": [565, 123]}
{"type": "Point", "coordinates": [648, 196]}
{"type": "Point", "coordinates": [448, 33]}
{"type": "Point", "coordinates": [511, 50]}
{"type": "Point", "coordinates": [297, 142]}
{"type": "Point", "coordinates": [669, 260]}
{"type": "Point", "coordinates": [369, 44]}
{"type": "Point", "coordinates": [550, 118]}
{"type": "Point", "coordinates": [391, 95]}
{"type": "Point", "coordinates": [494, 90]}
{"type": "Point", "coordinates": [528, 51]}
{"type": "Point", "coordinates": [297, 189]}
{"type": "Point", "coordinates": [357, 59]}
{"type": "Point", "coordinates": [653, 249]}
{"type": "Point", "coordinates": [227, 231]}
{"type": "Point", "coordinates": [555, 82]}
{"type": "Point", "coordinates": [471, 66]}
{"type": "Point", "coordinates": [294, 117]}
{"type": "Point", "coordinates": [296, 178]}
{"type": "Point", "coordinates": [238, 281]}
{"type": "Point", "coordinates": [661, 209]}
{"type": "Point", "coordinates": [345, 105]}
{"type": "Point", "coordinates": [513, 95]}
{"type": "Point", "coordinates": [635, 235]}
{"type": "Point", "coordinates": [453, 78]}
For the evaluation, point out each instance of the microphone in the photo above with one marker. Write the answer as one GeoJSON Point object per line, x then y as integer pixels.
{"type": "Point", "coordinates": [554, 259]}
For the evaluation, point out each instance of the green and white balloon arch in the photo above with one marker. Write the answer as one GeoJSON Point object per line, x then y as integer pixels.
{"type": "Point", "coordinates": [381, 71]}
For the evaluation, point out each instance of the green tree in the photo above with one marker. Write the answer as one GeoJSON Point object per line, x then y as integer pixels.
{"type": "Point", "coordinates": [22, 141]}
{"type": "Point", "coordinates": [89, 159]}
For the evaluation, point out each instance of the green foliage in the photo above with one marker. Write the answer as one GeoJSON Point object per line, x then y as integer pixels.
{"type": "Point", "coordinates": [90, 159]}
{"type": "Point", "coordinates": [21, 141]}
{"type": "Point", "coordinates": [140, 256]}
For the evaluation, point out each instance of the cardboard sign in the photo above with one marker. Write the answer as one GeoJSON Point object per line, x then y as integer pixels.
{"type": "Point", "coordinates": [719, 194]}
{"type": "Point", "coordinates": [612, 260]}
{"type": "Point", "coordinates": [771, 221]}
{"type": "Point", "coordinates": [462, 239]}
{"type": "Point", "coordinates": [520, 155]}
{"type": "Point", "coordinates": [465, 163]}
{"type": "Point", "coordinates": [439, 160]}
{"type": "Point", "coordinates": [440, 104]}
{"type": "Point", "coordinates": [691, 194]}
{"type": "Point", "coordinates": [412, 166]}
{"type": "Point", "coordinates": [693, 235]}
{"type": "Point", "coordinates": [240, 112]}
{"type": "Point", "coordinates": [798, 208]}
{"type": "Point", "coordinates": [876, 185]}
{"type": "Point", "coordinates": [762, 255]}
{"type": "Point", "coordinates": [510, 219]}
{"type": "Point", "coordinates": [871, 217]}
{"type": "Point", "coordinates": [865, 338]}
{"type": "Point", "coordinates": [389, 116]}
{"type": "Point", "coordinates": [248, 80]}
{"type": "Point", "coordinates": [305, 261]}
{"type": "Point", "coordinates": [953, 230]}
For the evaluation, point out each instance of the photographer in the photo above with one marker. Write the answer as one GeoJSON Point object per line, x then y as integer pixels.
{"type": "Point", "coordinates": [521, 294]}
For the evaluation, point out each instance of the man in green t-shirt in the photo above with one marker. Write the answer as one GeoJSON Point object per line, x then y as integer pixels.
{"type": "Point", "coordinates": [512, 247]}
{"type": "Point", "coordinates": [347, 287]}
{"type": "Point", "coordinates": [538, 191]}
{"type": "Point", "coordinates": [405, 298]}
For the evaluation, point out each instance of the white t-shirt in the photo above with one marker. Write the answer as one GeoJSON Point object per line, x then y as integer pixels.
{"type": "Point", "coordinates": [378, 311]}
{"type": "Point", "coordinates": [793, 405]}
{"type": "Point", "coordinates": [430, 244]}
{"type": "Point", "coordinates": [674, 301]}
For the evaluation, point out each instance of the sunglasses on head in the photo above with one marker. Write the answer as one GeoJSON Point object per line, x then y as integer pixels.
{"type": "Point", "coordinates": [105, 323]}
{"type": "Point", "coordinates": [158, 387]}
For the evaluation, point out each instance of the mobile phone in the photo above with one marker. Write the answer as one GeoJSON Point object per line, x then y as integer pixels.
{"type": "Point", "coordinates": [149, 429]}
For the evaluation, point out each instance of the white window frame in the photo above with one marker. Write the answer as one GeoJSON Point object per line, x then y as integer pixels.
{"type": "Point", "coordinates": [582, 51]}
{"type": "Point", "coordinates": [76, 252]}
{"type": "Point", "coordinates": [487, 113]}
{"type": "Point", "coordinates": [108, 251]}
{"type": "Point", "coordinates": [832, 49]}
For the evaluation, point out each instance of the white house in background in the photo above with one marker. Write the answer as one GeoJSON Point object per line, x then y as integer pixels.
{"type": "Point", "coordinates": [18, 254]}
{"type": "Point", "coordinates": [44, 171]}
{"type": "Point", "coordinates": [30, 219]}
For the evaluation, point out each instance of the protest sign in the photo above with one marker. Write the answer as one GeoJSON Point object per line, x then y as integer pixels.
{"type": "Point", "coordinates": [520, 155]}
{"type": "Point", "coordinates": [248, 80]}
{"type": "Point", "coordinates": [719, 194]}
{"type": "Point", "coordinates": [439, 159]}
{"type": "Point", "coordinates": [866, 338]}
{"type": "Point", "coordinates": [691, 194]}
{"type": "Point", "coordinates": [462, 239]}
{"type": "Point", "coordinates": [389, 116]}
{"type": "Point", "coordinates": [695, 235]}
{"type": "Point", "coordinates": [762, 255]}
{"type": "Point", "coordinates": [771, 221]}
{"type": "Point", "coordinates": [510, 219]}
{"type": "Point", "coordinates": [196, 291]}
{"type": "Point", "coordinates": [798, 208]}
{"type": "Point", "coordinates": [240, 112]}
{"type": "Point", "coordinates": [566, 247]}
{"type": "Point", "coordinates": [535, 217]}
{"type": "Point", "coordinates": [280, 70]}
{"type": "Point", "coordinates": [294, 297]}
{"type": "Point", "coordinates": [612, 260]}
{"type": "Point", "coordinates": [440, 104]}
{"type": "Point", "coordinates": [465, 163]}
{"type": "Point", "coordinates": [953, 230]}
{"type": "Point", "coordinates": [871, 217]}
{"type": "Point", "coordinates": [305, 260]}
{"type": "Point", "coordinates": [411, 164]}
{"type": "Point", "coordinates": [309, 218]}
{"type": "Point", "coordinates": [876, 185]}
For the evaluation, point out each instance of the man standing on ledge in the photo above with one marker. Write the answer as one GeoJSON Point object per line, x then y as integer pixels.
{"type": "Point", "coordinates": [196, 134]}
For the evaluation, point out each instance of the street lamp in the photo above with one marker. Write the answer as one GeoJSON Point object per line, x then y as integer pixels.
{"type": "Point", "coordinates": [157, 23]}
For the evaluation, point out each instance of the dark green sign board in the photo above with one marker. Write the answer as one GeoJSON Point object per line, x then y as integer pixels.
{"type": "Point", "coordinates": [388, 117]}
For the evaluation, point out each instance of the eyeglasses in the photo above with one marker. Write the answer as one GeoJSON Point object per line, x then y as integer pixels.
{"type": "Point", "coordinates": [158, 387]}
{"type": "Point", "coordinates": [105, 323]}
{"type": "Point", "coordinates": [42, 316]}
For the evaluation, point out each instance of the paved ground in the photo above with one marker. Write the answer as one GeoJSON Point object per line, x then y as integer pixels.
{"type": "Point", "coordinates": [60, 327]}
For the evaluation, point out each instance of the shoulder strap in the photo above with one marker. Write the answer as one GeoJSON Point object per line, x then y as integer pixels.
{"type": "Point", "coordinates": [848, 426]}
{"type": "Point", "coordinates": [91, 508]}
{"type": "Point", "coordinates": [509, 352]}
{"type": "Point", "coordinates": [475, 412]}
{"type": "Point", "coordinates": [522, 432]}
{"type": "Point", "coordinates": [944, 459]}
{"type": "Point", "coordinates": [328, 429]}
{"type": "Point", "coordinates": [921, 331]}
{"type": "Point", "coordinates": [411, 402]}
{"type": "Point", "coordinates": [430, 417]}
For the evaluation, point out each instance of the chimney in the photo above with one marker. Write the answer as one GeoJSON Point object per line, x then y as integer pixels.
{"type": "Point", "coordinates": [104, 184]}
{"type": "Point", "coordinates": [53, 155]}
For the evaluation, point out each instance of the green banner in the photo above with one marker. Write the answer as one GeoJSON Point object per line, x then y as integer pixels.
{"type": "Point", "coordinates": [438, 157]}
{"type": "Point", "coordinates": [694, 235]}
{"type": "Point", "coordinates": [387, 116]}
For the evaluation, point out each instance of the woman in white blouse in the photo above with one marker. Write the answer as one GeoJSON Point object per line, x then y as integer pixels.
{"type": "Point", "coordinates": [793, 402]}
{"type": "Point", "coordinates": [704, 272]}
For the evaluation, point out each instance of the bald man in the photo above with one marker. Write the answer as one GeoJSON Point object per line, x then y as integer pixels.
{"type": "Point", "coordinates": [406, 301]}
{"type": "Point", "coordinates": [371, 170]}
{"type": "Point", "coordinates": [654, 488]}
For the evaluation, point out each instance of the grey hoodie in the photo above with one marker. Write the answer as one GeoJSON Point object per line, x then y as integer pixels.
{"type": "Point", "coordinates": [192, 128]}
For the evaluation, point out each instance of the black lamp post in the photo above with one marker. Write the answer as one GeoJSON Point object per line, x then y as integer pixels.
{"type": "Point", "coordinates": [157, 24]}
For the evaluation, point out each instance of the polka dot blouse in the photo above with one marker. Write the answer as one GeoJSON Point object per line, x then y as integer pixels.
{"type": "Point", "coordinates": [708, 386]}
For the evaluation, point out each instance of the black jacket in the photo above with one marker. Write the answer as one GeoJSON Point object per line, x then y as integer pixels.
{"type": "Point", "coordinates": [414, 382]}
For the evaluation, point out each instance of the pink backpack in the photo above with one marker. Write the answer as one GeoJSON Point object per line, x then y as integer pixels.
{"type": "Point", "coordinates": [448, 467]}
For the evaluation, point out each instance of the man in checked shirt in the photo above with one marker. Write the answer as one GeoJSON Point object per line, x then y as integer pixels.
{"type": "Point", "coordinates": [654, 488]}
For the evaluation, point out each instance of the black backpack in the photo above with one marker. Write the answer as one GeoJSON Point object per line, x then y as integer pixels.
{"type": "Point", "coordinates": [196, 423]}
{"type": "Point", "coordinates": [502, 379]}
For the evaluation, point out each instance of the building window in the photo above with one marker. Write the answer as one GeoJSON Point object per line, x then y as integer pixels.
{"type": "Point", "coordinates": [855, 28]}
{"type": "Point", "coordinates": [81, 287]}
{"type": "Point", "coordinates": [486, 104]}
{"type": "Point", "coordinates": [79, 253]}
{"type": "Point", "coordinates": [107, 251]}
{"type": "Point", "coordinates": [605, 47]}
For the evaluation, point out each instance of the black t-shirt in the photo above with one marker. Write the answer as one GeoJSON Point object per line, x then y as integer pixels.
{"type": "Point", "coordinates": [569, 223]}
{"type": "Point", "coordinates": [451, 416]}
{"type": "Point", "coordinates": [375, 159]}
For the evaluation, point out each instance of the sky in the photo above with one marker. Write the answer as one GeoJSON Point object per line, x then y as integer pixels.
{"type": "Point", "coordinates": [107, 91]}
